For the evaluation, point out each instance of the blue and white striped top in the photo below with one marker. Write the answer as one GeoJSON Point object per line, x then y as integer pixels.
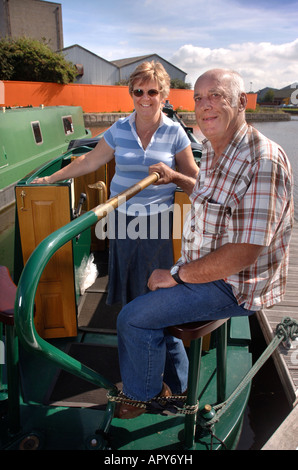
{"type": "Point", "coordinates": [132, 162]}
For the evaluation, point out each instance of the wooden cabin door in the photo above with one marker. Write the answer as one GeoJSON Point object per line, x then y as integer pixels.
{"type": "Point", "coordinates": [42, 210]}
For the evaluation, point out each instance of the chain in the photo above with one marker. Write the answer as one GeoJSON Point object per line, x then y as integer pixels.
{"type": "Point", "coordinates": [121, 398]}
{"type": "Point", "coordinates": [174, 404]}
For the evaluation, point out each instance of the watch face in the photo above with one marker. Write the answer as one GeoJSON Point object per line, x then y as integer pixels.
{"type": "Point", "coordinates": [174, 270]}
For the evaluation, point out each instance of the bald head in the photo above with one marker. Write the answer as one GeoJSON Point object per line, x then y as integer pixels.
{"type": "Point", "coordinates": [230, 79]}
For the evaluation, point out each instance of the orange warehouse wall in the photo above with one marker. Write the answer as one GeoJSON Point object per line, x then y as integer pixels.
{"type": "Point", "coordinates": [252, 100]}
{"type": "Point", "coordinates": [92, 98]}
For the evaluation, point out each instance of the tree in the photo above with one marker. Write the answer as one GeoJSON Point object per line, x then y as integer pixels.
{"type": "Point", "coordinates": [269, 97]}
{"type": "Point", "coordinates": [31, 60]}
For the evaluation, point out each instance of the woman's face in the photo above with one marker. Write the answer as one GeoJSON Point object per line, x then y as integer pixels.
{"type": "Point", "coordinates": [148, 105]}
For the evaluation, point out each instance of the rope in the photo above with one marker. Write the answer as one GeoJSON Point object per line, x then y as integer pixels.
{"type": "Point", "coordinates": [286, 330]}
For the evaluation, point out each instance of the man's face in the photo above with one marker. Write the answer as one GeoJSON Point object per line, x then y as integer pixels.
{"type": "Point", "coordinates": [216, 114]}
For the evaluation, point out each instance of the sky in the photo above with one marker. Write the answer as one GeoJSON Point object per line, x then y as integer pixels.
{"type": "Point", "coordinates": [258, 38]}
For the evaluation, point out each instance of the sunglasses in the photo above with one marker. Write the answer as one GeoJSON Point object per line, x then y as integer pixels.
{"type": "Point", "coordinates": [138, 92]}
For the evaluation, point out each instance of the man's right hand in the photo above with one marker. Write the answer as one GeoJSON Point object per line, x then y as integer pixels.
{"type": "Point", "coordinates": [160, 279]}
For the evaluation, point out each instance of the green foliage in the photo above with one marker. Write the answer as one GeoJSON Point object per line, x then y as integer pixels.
{"type": "Point", "coordinates": [123, 82]}
{"type": "Point", "coordinates": [269, 97]}
{"type": "Point", "coordinates": [177, 83]}
{"type": "Point", "coordinates": [31, 60]}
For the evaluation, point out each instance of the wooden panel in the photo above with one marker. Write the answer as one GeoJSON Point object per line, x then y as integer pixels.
{"type": "Point", "coordinates": [105, 174]}
{"type": "Point", "coordinates": [41, 211]}
{"type": "Point", "coordinates": [181, 208]}
{"type": "Point", "coordinates": [81, 185]}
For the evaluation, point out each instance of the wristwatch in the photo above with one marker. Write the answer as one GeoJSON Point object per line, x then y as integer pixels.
{"type": "Point", "coordinates": [175, 274]}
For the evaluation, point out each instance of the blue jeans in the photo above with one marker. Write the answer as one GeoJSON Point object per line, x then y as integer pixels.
{"type": "Point", "coordinates": [148, 355]}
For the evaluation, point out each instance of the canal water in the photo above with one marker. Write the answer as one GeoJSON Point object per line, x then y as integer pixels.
{"type": "Point", "coordinates": [268, 406]}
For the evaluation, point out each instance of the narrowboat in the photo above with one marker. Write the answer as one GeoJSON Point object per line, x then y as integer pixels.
{"type": "Point", "coordinates": [30, 137]}
{"type": "Point", "coordinates": [60, 378]}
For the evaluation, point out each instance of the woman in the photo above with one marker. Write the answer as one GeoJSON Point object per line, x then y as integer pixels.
{"type": "Point", "coordinates": [138, 240]}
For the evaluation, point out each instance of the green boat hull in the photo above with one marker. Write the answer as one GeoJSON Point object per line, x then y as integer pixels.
{"type": "Point", "coordinates": [30, 137]}
{"type": "Point", "coordinates": [51, 427]}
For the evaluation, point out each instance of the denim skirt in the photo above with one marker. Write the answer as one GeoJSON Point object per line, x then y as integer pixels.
{"type": "Point", "coordinates": [137, 246]}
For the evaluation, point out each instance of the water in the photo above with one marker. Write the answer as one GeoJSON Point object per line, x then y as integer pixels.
{"type": "Point", "coordinates": [268, 405]}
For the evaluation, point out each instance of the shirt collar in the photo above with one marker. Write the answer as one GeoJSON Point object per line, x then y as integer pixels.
{"type": "Point", "coordinates": [234, 143]}
{"type": "Point", "coordinates": [132, 119]}
{"type": "Point", "coordinates": [238, 137]}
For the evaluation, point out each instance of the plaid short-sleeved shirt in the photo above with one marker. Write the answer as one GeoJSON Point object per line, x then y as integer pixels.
{"type": "Point", "coordinates": [246, 198]}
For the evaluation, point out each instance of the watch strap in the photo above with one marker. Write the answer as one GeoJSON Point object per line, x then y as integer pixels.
{"type": "Point", "coordinates": [177, 278]}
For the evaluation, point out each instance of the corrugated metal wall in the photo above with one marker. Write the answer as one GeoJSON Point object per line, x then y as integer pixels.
{"type": "Point", "coordinates": [173, 71]}
{"type": "Point", "coordinates": [97, 71]}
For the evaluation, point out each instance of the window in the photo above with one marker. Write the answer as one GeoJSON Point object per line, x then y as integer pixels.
{"type": "Point", "coordinates": [68, 126]}
{"type": "Point", "coordinates": [37, 132]}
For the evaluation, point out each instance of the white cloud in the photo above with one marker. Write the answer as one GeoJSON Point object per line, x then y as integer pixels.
{"type": "Point", "coordinates": [260, 64]}
{"type": "Point", "coordinates": [257, 38]}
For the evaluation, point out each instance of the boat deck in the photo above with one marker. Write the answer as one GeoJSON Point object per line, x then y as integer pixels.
{"type": "Point", "coordinates": [286, 360]}
{"type": "Point", "coordinates": [286, 436]}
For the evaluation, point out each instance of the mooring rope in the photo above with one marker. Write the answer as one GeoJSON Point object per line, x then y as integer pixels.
{"type": "Point", "coordinates": [286, 330]}
{"type": "Point", "coordinates": [176, 404]}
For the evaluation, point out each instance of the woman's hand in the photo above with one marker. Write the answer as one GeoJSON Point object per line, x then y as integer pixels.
{"type": "Point", "coordinates": [44, 180]}
{"type": "Point", "coordinates": [166, 173]}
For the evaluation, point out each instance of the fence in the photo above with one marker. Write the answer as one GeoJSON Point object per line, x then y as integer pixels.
{"type": "Point", "coordinates": [92, 98]}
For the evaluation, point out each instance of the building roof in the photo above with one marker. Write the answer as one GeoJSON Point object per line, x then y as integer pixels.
{"type": "Point", "coordinates": [131, 60]}
{"type": "Point", "coordinates": [284, 92]}
{"type": "Point", "coordinates": [86, 50]}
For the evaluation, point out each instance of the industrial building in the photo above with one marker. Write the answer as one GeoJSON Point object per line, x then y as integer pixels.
{"type": "Point", "coordinates": [42, 20]}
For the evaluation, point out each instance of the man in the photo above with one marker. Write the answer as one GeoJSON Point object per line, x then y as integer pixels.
{"type": "Point", "coordinates": [235, 243]}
